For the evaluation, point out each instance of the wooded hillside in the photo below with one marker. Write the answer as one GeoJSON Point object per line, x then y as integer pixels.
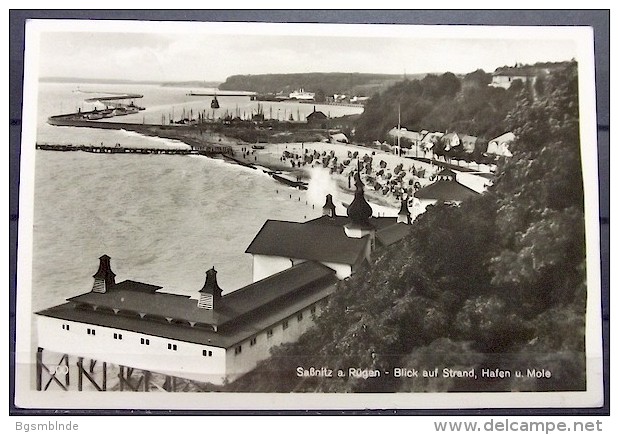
{"type": "Point", "coordinates": [440, 103]}
{"type": "Point", "coordinates": [498, 282]}
{"type": "Point", "coordinates": [323, 83]}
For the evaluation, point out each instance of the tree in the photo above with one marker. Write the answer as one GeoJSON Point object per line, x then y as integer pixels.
{"type": "Point", "coordinates": [545, 174]}
{"type": "Point", "coordinates": [498, 281]}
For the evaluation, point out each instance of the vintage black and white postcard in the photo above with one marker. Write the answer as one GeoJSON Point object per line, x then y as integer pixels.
{"type": "Point", "coordinates": [277, 216]}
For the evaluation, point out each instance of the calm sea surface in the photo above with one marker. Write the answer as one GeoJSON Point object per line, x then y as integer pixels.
{"type": "Point", "coordinates": [164, 220]}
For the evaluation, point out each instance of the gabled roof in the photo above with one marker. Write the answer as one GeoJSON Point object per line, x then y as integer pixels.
{"type": "Point", "coordinates": [339, 137]}
{"type": "Point", "coordinates": [445, 190]}
{"type": "Point", "coordinates": [403, 132]}
{"type": "Point", "coordinates": [446, 172]}
{"type": "Point", "coordinates": [515, 73]}
{"type": "Point", "coordinates": [283, 285]}
{"type": "Point", "coordinates": [258, 305]}
{"type": "Point", "coordinates": [226, 337]}
{"type": "Point", "coordinates": [325, 243]}
{"type": "Point", "coordinates": [394, 233]}
{"type": "Point", "coordinates": [468, 138]}
{"type": "Point", "coordinates": [340, 221]}
{"type": "Point", "coordinates": [505, 137]}
{"type": "Point", "coordinates": [316, 115]}
{"type": "Point", "coordinates": [430, 136]}
{"type": "Point", "coordinates": [388, 231]}
{"type": "Point", "coordinates": [162, 305]}
{"type": "Point", "coordinates": [468, 142]}
{"type": "Point", "coordinates": [137, 286]}
{"type": "Point", "coordinates": [526, 71]}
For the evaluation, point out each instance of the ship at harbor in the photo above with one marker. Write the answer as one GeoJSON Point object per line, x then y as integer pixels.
{"type": "Point", "coordinates": [302, 94]}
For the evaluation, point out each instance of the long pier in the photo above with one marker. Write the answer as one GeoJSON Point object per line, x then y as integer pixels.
{"type": "Point", "coordinates": [218, 94]}
{"type": "Point", "coordinates": [126, 150]}
{"type": "Point", "coordinates": [224, 151]}
{"type": "Point", "coordinates": [114, 97]}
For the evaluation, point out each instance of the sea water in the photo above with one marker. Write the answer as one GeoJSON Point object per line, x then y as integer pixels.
{"type": "Point", "coordinates": [163, 219]}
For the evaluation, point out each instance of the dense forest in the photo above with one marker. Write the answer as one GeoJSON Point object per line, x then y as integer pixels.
{"type": "Point", "coordinates": [439, 103]}
{"type": "Point", "coordinates": [323, 84]}
{"type": "Point", "coordinates": [498, 282]}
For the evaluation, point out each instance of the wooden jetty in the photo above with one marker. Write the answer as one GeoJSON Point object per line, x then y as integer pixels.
{"type": "Point", "coordinates": [240, 162]}
{"type": "Point", "coordinates": [301, 185]}
{"type": "Point", "coordinates": [209, 152]}
{"type": "Point", "coordinates": [124, 150]}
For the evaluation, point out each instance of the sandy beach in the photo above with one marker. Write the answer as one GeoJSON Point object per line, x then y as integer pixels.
{"type": "Point", "coordinates": [331, 166]}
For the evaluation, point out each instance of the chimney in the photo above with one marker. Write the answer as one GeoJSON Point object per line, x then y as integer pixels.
{"type": "Point", "coordinates": [210, 293]}
{"type": "Point", "coordinates": [104, 278]}
{"type": "Point", "coordinates": [404, 216]}
{"type": "Point", "coordinates": [329, 208]}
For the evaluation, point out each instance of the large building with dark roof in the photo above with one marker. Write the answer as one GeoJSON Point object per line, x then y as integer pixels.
{"type": "Point", "coordinates": [446, 189]}
{"type": "Point", "coordinates": [342, 243]}
{"type": "Point", "coordinates": [215, 337]}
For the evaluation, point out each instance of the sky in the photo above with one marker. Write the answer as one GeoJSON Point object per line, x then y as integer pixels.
{"type": "Point", "coordinates": [159, 56]}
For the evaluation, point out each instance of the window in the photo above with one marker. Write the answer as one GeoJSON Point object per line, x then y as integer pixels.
{"type": "Point", "coordinates": [90, 331]}
{"type": "Point", "coordinates": [269, 333]}
{"type": "Point", "coordinates": [65, 326]}
{"type": "Point", "coordinates": [207, 353]}
{"type": "Point", "coordinates": [238, 350]}
{"type": "Point", "coordinates": [145, 341]}
{"type": "Point", "coordinates": [285, 324]}
{"type": "Point", "coordinates": [118, 336]}
{"type": "Point", "coordinates": [172, 346]}
{"type": "Point", "coordinates": [300, 317]}
{"type": "Point", "coordinates": [252, 341]}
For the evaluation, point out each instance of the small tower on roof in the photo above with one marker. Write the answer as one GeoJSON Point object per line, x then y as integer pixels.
{"type": "Point", "coordinates": [105, 279]}
{"type": "Point", "coordinates": [329, 208]}
{"type": "Point", "coordinates": [210, 293]}
{"type": "Point", "coordinates": [404, 215]}
{"type": "Point", "coordinates": [359, 211]}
